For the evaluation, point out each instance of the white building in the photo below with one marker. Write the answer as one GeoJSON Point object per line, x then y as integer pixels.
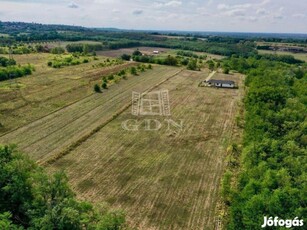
{"type": "Point", "coordinates": [221, 83]}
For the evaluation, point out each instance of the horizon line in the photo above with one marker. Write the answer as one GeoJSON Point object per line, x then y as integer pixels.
{"type": "Point", "coordinates": [159, 30]}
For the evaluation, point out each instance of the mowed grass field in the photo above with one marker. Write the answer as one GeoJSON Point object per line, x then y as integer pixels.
{"type": "Point", "coordinates": [166, 179]}
{"type": "Point", "coordinates": [63, 44]}
{"type": "Point", "coordinates": [300, 56]}
{"type": "Point", "coordinates": [149, 51]}
{"type": "Point", "coordinates": [144, 50]}
{"type": "Point", "coordinates": [26, 99]}
{"type": "Point", "coordinates": [49, 136]}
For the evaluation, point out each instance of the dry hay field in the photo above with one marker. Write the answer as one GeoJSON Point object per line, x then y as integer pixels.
{"type": "Point", "coordinates": [300, 56]}
{"type": "Point", "coordinates": [47, 137]}
{"type": "Point", "coordinates": [149, 51]}
{"type": "Point", "coordinates": [166, 179]}
{"type": "Point", "coordinates": [119, 52]}
{"type": "Point", "coordinates": [26, 99]}
{"type": "Point", "coordinates": [63, 44]}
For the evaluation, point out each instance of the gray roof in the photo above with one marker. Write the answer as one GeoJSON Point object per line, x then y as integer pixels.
{"type": "Point", "coordinates": [213, 81]}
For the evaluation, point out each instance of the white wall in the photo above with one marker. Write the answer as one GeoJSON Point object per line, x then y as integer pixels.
{"type": "Point", "coordinates": [228, 85]}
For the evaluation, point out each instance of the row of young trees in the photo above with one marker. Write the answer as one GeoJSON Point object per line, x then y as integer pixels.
{"type": "Point", "coordinates": [189, 61]}
{"type": "Point", "coordinates": [190, 54]}
{"type": "Point", "coordinates": [267, 176]}
{"type": "Point", "coordinates": [17, 49]}
{"type": "Point", "coordinates": [32, 199]}
{"type": "Point", "coordinates": [123, 74]}
{"type": "Point", "coordinates": [67, 60]}
{"type": "Point", "coordinates": [84, 48]}
{"type": "Point", "coordinates": [12, 72]}
{"type": "Point", "coordinates": [220, 48]}
{"type": "Point", "coordinates": [4, 62]}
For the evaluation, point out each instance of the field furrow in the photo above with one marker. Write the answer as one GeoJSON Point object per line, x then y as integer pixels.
{"type": "Point", "coordinates": [165, 179]}
{"type": "Point", "coordinates": [58, 130]}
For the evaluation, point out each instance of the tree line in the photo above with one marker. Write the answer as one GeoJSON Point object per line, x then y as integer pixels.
{"type": "Point", "coordinates": [9, 69]}
{"type": "Point", "coordinates": [32, 199]}
{"type": "Point", "coordinates": [267, 175]}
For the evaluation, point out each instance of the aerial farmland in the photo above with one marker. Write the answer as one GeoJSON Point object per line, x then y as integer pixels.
{"type": "Point", "coordinates": [121, 129]}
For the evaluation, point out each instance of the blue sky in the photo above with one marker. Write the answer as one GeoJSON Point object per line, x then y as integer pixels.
{"type": "Point", "coordinates": [282, 16]}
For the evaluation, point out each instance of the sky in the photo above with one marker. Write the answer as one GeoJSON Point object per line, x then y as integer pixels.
{"type": "Point", "coordinates": [271, 16]}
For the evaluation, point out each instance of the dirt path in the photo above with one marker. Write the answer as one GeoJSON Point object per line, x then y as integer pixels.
{"type": "Point", "coordinates": [210, 76]}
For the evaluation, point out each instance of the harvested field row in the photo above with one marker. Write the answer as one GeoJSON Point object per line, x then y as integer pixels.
{"type": "Point", "coordinates": [46, 92]}
{"type": "Point", "coordinates": [166, 179]}
{"type": "Point", "coordinates": [53, 133]}
{"type": "Point", "coordinates": [119, 52]}
{"type": "Point", "coordinates": [149, 51]}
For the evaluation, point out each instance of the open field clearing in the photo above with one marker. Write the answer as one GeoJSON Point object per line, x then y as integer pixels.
{"type": "Point", "coordinates": [47, 137]}
{"type": "Point", "coordinates": [47, 89]}
{"type": "Point", "coordinates": [300, 56]}
{"type": "Point", "coordinates": [4, 35]}
{"type": "Point", "coordinates": [281, 44]}
{"type": "Point", "coordinates": [166, 179]}
{"type": "Point", "coordinates": [119, 52]}
{"type": "Point", "coordinates": [149, 51]}
{"type": "Point", "coordinates": [63, 44]}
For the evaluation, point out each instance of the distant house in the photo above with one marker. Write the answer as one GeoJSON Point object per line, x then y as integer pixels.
{"type": "Point", "coordinates": [220, 83]}
{"type": "Point", "coordinates": [156, 52]}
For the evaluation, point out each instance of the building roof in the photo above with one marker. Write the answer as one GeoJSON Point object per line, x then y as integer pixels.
{"type": "Point", "coordinates": [213, 81]}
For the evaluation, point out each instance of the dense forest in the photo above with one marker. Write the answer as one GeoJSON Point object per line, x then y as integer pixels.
{"type": "Point", "coordinates": [115, 39]}
{"type": "Point", "coordinates": [32, 199]}
{"type": "Point", "coordinates": [267, 176]}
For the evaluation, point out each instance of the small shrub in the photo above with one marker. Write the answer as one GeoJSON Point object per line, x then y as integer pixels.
{"type": "Point", "coordinates": [226, 70]}
{"type": "Point", "coordinates": [104, 85]}
{"type": "Point", "coordinates": [133, 71]}
{"type": "Point", "coordinates": [111, 77]}
{"type": "Point", "coordinates": [97, 88]}
{"type": "Point", "coordinates": [137, 53]}
{"type": "Point", "coordinates": [126, 57]}
{"type": "Point", "coordinates": [122, 72]}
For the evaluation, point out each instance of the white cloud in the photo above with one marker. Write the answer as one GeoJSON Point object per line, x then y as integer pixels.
{"type": "Point", "coordinates": [262, 11]}
{"type": "Point", "coordinates": [235, 12]}
{"type": "Point", "coordinates": [137, 12]}
{"type": "Point", "coordinates": [73, 5]}
{"type": "Point", "coordinates": [167, 4]}
{"type": "Point", "coordinates": [243, 9]}
{"type": "Point", "coordinates": [299, 15]}
{"type": "Point", "coordinates": [222, 7]}
{"type": "Point", "coordinates": [233, 7]}
{"type": "Point", "coordinates": [213, 15]}
{"type": "Point", "coordinates": [173, 3]}
{"type": "Point", "coordinates": [279, 13]}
